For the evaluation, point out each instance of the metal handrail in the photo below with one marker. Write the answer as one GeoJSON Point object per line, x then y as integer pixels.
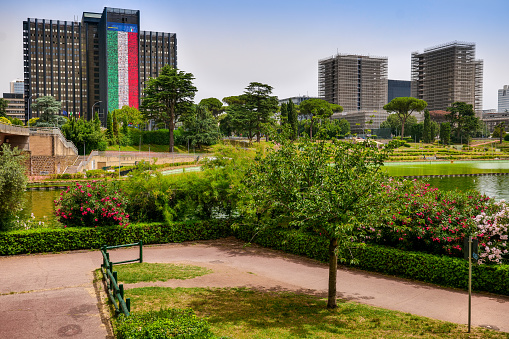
{"type": "Point", "coordinates": [116, 291]}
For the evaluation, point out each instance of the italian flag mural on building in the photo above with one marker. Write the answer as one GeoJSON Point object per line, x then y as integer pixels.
{"type": "Point", "coordinates": [122, 58]}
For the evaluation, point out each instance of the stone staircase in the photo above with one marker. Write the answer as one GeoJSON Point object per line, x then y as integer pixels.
{"type": "Point", "coordinates": [74, 167]}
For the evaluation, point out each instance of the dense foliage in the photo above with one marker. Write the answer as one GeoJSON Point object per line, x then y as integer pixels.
{"type": "Point", "coordinates": [323, 187]}
{"type": "Point", "coordinates": [211, 193]}
{"type": "Point", "coordinates": [86, 135]}
{"type": "Point", "coordinates": [12, 184]}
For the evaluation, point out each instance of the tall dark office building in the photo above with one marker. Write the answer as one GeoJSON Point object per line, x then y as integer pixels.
{"type": "Point", "coordinates": [398, 88]}
{"type": "Point", "coordinates": [96, 65]}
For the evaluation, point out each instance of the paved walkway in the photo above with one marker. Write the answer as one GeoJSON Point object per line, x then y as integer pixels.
{"type": "Point", "coordinates": [53, 295]}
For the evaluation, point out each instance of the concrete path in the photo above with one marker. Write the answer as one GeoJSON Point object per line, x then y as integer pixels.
{"type": "Point", "coordinates": [53, 296]}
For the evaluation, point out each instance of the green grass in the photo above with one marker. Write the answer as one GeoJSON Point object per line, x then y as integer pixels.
{"type": "Point", "coordinates": [244, 313]}
{"type": "Point", "coordinates": [158, 148]}
{"type": "Point", "coordinates": [138, 272]}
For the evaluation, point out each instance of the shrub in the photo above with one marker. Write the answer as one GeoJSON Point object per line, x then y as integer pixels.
{"type": "Point", "coordinates": [13, 182]}
{"type": "Point", "coordinates": [422, 218]}
{"type": "Point", "coordinates": [165, 323]}
{"type": "Point", "coordinates": [92, 204]}
{"type": "Point", "coordinates": [440, 270]}
{"type": "Point", "coordinates": [68, 176]}
{"type": "Point", "coordinates": [68, 239]}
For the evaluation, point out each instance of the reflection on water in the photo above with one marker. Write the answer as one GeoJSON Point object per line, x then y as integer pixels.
{"type": "Point", "coordinates": [40, 203]}
{"type": "Point", "coordinates": [446, 167]}
{"type": "Point", "coordinates": [494, 186]}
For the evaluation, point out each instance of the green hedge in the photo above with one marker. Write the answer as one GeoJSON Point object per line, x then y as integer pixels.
{"type": "Point", "coordinates": [56, 240]}
{"type": "Point", "coordinates": [440, 270]}
{"type": "Point", "coordinates": [166, 323]}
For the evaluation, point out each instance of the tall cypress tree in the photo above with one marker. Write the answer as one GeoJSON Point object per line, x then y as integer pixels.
{"type": "Point", "coordinates": [109, 126]}
{"type": "Point", "coordinates": [292, 117]}
{"type": "Point", "coordinates": [284, 114]}
{"type": "Point", "coordinates": [426, 131]}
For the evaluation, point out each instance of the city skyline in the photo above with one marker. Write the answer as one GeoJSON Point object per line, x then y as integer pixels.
{"type": "Point", "coordinates": [226, 44]}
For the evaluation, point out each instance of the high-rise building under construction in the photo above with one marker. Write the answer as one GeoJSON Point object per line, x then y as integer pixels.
{"type": "Point", "coordinates": [447, 73]}
{"type": "Point", "coordinates": [356, 82]}
{"type": "Point", "coordinates": [96, 65]}
{"type": "Point", "coordinates": [359, 84]}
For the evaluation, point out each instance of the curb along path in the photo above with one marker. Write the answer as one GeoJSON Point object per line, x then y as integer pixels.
{"type": "Point", "coordinates": [53, 296]}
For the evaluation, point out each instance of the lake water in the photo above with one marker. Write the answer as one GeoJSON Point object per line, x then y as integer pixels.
{"type": "Point", "coordinates": [40, 203]}
{"type": "Point", "coordinates": [495, 186]}
{"type": "Point", "coordinates": [446, 167]}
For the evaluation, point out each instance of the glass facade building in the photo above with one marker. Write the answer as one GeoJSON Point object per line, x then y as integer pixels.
{"type": "Point", "coordinates": [100, 63]}
{"type": "Point", "coordinates": [503, 99]}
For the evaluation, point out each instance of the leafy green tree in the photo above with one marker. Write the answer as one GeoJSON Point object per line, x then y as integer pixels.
{"type": "Point", "coordinates": [260, 105]}
{"type": "Point", "coordinates": [318, 109]}
{"type": "Point", "coordinates": [426, 130]}
{"type": "Point", "coordinates": [394, 123]}
{"type": "Point", "coordinates": [417, 131]}
{"type": "Point", "coordinates": [463, 120]}
{"type": "Point", "coordinates": [213, 105]}
{"type": "Point", "coordinates": [335, 128]}
{"type": "Point", "coordinates": [168, 97]}
{"type": "Point", "coordinates": [403, 107]}
{"type": "Point", "coordinates": [3, 107]}
{"type": "Point", "coordinates": [202, 128]}
{"type": "Point", "coordinates": [48, 106]}
{"type": "Point", "coordinates": [320, 187]}
{"type": "Point", "coordinates": [17, 122]}
{"type": "Point", "coordinates": [499, 131]}
{"type": "Point", "coordinates": [225, 125]}
{"type": "Point", "coordinates": [129, 115]}
{"type": "Point", "coordinates": [238, 116]}
{"type": "Point", "coordinates": [293, 120]}
{"type": "Point", "coordinates": [84, 133]}
{"type": "Point", "coordinates": [445, 133]}
{"type": "Point", "coordinates": [13, 182]}
{"type": "Point", "coordinates": [435, 130]}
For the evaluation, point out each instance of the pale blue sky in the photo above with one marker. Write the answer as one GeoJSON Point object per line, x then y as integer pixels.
{"type": "Point", "coordinates": [227, 44]}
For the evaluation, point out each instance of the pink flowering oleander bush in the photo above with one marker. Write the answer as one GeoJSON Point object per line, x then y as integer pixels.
{"type": "Point", "coordinates": [492, 232]}
{"type": "Point", "coordinates": [418, 217]}
{"type": "Point", "coordinates": [92, 204]}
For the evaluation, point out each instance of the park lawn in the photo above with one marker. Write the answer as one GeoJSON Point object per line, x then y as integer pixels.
{"type": "Point", "coordinates": [246, 313]}
{"type": "Point", "coordinates": [159, 148]}
{"type": "Point", "coordinates": [138, 272]}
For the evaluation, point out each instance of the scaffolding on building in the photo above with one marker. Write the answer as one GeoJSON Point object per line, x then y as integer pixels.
{"type": "Point", "coordinates": [356, 82]}
{"type": "Point", "coordinates": [447, 73]}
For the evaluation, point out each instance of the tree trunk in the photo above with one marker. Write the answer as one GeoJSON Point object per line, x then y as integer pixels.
{"type": "Point", "coordinates": [311, 130]}
{"type": "Point", "coordinates": [333, 272]}
{"type": "Point", "coordinates": [172, 142]}
{"type": "Point", "coordinates": [258, 136]}
{"type": "Point", "coordinates": [403, 128]}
